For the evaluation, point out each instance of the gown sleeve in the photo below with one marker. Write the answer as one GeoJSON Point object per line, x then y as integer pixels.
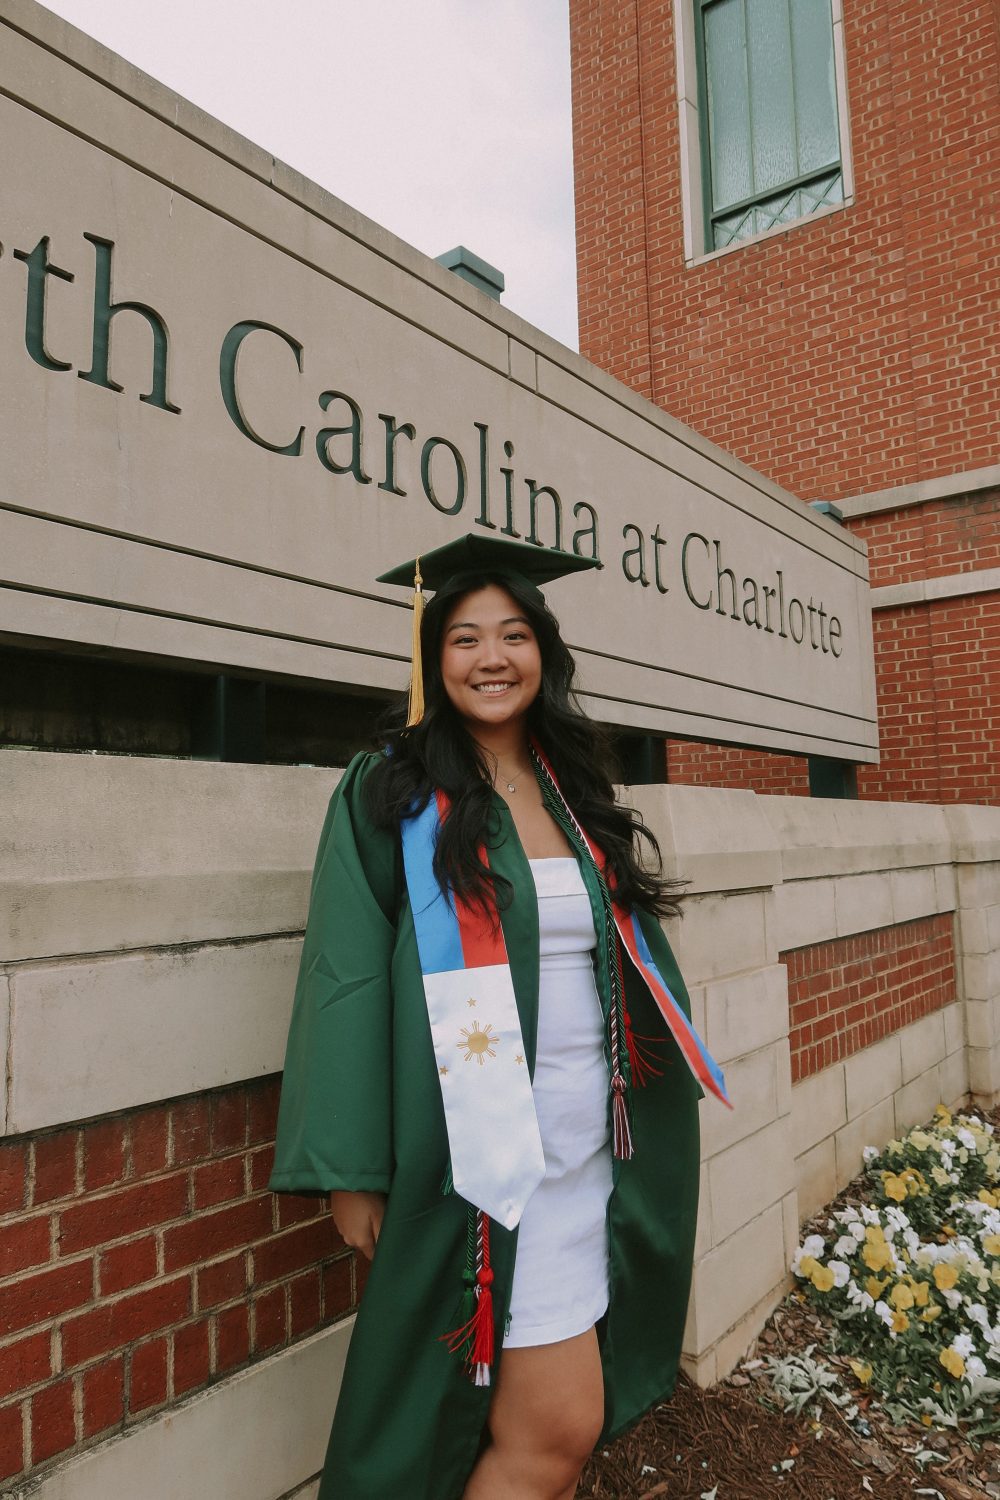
{"type": "Point", "coordinates": [335, 1117]}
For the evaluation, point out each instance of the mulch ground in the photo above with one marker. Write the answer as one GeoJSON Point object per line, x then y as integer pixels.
{"type": "Point", "coordinates": [734, 1442]}
{"type": "Point", "coordinates": [730, 1443]}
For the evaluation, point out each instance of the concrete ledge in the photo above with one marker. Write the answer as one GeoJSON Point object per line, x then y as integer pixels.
{"type": "Point", "coordinates": [261, 1433]}
{"type": "Point", "coordinates": [97, 1035]}
{"type": "Point", "coordinates": [941, 487]}
{"type": "Point", "coordinates": [926, 590]}
{"type": "Point", "coordinates": [106, 852]}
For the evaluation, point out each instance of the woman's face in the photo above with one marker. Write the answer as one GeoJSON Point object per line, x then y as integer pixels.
{"type": "Point", "coordinates": [491, 664]}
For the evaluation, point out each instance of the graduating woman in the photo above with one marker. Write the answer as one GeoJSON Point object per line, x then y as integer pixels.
{"type": "Point", "coordinates": [490, 1067]}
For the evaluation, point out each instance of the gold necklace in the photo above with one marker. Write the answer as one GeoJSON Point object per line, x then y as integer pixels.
{"type": "Point", "coordinates": [511, 784]}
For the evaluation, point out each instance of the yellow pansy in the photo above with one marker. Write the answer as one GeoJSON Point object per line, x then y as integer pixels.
{"type": "Point", "coordinates": [921, 1293]}
{"type": "Point", "coordinates": [807, 1265]}
{"type": "Point", "coordinates": [991, 1244]}
{"type": "Point", "coordinates": [862, 1372]}
{"type": "Point", "coordinates": [920, 1139]}
{"type": "Point", "coordinates": [900, 1322]}
{"type": "Point", "coordinates": [894, 1188]}
{"type": "Point", "coordinates": [823, 1279]}
{"type": "Point", "coordinates": [953, 1363]}
{"type": "Point", "coordinates": [929, 1314]}
{"type": "Point", "coordinates": [902, 1296]}
{"type": "Point", "coordinates": [927, 1419]}
{"type": "Point", "coordinates": [874, 1234]}
{"type": "Point", "coordinates": [990, 1199]}
{"type": "Point", "coordinates": [874, 1287]}
{"type": "Point", "coordinates": [942, 1115]}
{"type": "Point", "coordinates": [940, 1176]}
{"type": "Point", "coordinates": [945, 1277]}
{"type": "Point", "coordinates": [876, 1257]}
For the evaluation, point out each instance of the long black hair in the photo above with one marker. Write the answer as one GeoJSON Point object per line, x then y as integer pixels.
{"type": "Point", "coordinates": [439, 753]}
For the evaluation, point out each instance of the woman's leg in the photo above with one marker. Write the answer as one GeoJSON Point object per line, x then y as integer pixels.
{"type": "Point", "coordinates": [545, 1417]}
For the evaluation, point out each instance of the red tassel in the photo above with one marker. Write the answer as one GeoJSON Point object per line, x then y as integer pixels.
{"type": "Point", "coordinates": [623, 1148]}
{"type": "Point", "coordinates": [476, 1338]}
{"type": "Point", "coordinates": [642, 1060]}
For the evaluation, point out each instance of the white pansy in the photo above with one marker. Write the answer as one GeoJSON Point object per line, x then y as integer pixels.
{"type": "Point", "coordinates": [813, 1244]}
{"type": "Point", "coordinates": [870, 1153]}
{"type": "Point", "coordinates": [952, 1297]}
{"type": "Point", "coordinates": [967, 1138]}
{"type": "Point", "coordinates": [977, 1313]}
{"type": "Point", "coordinates": [841, 1272]}
{"type": "Point", "coordinates": [963, 1344]}
{"type": "Point", "coordinates": [846, 1245]}
{"type": "Point", "coordinates": [885, 1312]}
{"type": "Point", "coordinates": [974, 1368]}
{"type": "Point", "coordinates": [869, 1215]}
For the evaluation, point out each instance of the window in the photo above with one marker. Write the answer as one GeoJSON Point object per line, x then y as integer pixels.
{"type": "Point", "coordinates": [768, 114]}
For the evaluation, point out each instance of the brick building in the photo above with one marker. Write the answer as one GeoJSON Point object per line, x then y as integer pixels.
{"type": "Point", "coordinates": [788, 238]}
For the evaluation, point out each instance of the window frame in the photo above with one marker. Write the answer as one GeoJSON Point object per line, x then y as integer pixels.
{"type": "Point", "coordinates": [696, 182]}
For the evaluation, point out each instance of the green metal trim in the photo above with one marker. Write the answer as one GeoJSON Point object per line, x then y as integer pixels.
{"type": "Point", "coordinates": [708, 226]}
{"type": "Point", "coordinates": [775, 192]}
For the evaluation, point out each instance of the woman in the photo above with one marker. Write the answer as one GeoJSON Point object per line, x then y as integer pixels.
{"type": "Point", "coordinates": [462, 1074]}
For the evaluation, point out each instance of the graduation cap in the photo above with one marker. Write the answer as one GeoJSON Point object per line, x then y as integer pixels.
{"type": "Point", "coordinates": [473, 553]}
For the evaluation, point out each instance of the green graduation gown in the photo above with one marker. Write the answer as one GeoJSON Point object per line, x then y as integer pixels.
{"type": "Point", "coordinates": [361, 1109]}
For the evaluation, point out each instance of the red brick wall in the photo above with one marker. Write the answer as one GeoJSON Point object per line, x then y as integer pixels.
{"type": "Point", "coordinates": [141, 1259]}
{"type": "Point", "coordinates": [937, 679]}
{"type": "Point", "coordinates": [846, 994]}
{"type": "Point", "coordinates": [851, 353]}
{"type": "Point", "coordinates": [693, 764]}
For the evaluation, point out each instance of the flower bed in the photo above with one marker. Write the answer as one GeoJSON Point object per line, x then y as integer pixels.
{"type": "Point", "coordinates": [909, 1275]}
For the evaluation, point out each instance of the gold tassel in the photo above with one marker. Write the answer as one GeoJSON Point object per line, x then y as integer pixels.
{"type": "Point", "coordinates": [416, 705]}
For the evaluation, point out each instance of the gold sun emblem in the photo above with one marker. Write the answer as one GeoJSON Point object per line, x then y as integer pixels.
{"type": "Point", "coordinates": [479, 1043]}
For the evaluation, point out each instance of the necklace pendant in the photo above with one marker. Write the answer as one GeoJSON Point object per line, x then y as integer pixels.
{"type": "Point", "coordinates": [511, 787]}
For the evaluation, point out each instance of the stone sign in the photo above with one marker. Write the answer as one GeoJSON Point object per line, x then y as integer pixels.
{"type": "Point", "coordinates": [228, 402]}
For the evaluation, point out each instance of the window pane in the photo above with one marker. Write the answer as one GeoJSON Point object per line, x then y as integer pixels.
{"type": "Point", "coordinates": [728, 113]}
{"type": "Point", "coordinates": [772, 103]}
{"type": "Point", "coordinates": [815, 84]}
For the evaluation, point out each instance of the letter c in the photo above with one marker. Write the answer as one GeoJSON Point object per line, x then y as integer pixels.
{"type": "Point", "coordinates": [227, 379]}
{"type": "Point", "coordinates": [693, 536]}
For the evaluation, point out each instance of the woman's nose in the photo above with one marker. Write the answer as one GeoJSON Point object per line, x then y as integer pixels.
{"type": "Point", "coordinates": [492, 656]}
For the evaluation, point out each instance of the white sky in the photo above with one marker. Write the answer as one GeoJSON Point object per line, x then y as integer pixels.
{"type": "Point", "coordinates": [448, 121]}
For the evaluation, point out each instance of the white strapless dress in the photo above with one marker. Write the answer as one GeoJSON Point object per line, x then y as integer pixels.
{"type": "Point", "coordinates": [561, 1270]}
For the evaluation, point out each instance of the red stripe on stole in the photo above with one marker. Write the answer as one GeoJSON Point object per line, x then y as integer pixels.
{"type": "Point", "coordinates": [481, 935]}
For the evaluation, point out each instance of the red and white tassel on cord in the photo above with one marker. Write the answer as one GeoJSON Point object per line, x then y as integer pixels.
{"type": "Point", "coordinates": [481, 1357]}
{"type": "Point", "coordinates": [621, 1130]}
{"type": "Point", "coordinates": [475, 1339]}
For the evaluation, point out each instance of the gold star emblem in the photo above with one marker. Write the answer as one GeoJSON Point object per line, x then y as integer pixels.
{"type": "Point", "coordinates": [472, 1002]}
{"type": "Point", "coordinates": [519, 1058]}
{"type": "Point", "coordinates": [442, 1071]}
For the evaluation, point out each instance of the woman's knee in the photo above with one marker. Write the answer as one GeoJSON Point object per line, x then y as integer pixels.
{"type": "Point", "coordinates": [560, 1432]}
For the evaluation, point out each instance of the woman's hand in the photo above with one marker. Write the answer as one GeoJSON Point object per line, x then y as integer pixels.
{"type": "Point", "coordinates": [358, 1217]}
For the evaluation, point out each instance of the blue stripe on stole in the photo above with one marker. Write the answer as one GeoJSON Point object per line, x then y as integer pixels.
{"type": "Point", "coordinates": [711, 1067]}
{"type": "Point", "coordinates": [439, 942]}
